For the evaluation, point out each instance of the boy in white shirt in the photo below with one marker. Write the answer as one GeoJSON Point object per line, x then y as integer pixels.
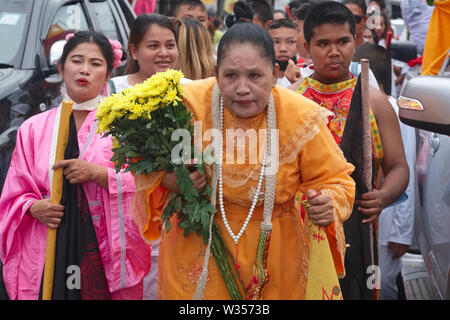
{"type": "Point", "coordinates": [284, 36]}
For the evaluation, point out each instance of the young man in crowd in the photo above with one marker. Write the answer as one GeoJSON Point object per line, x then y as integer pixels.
{"type": "Point", "coordinates": [303, 60]}
{"type": "Point", "coordinates": [262, 13]}
{"type": "Point", "coordinates": [329, 31]}
{"type": "Point", "coordinates": [284, 36]}
{"type": "Point", "coordinates": [194, 9]}
{"type": "Point", "coordinates": [359, 10]}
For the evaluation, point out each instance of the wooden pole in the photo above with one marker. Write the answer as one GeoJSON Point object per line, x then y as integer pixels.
{"type": "Point", "coordinates": [57, 185]}
{"type": "Point", "coordinates": [367, 142]}
{"type": "Point", "coordinates": [367, 136]}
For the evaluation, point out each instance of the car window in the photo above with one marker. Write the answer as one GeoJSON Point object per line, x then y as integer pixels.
{"type": "Point", "coordinates": [106, 19]}
{"type": "Point", "coordinates": [13, 112]}
{"type": "Point", "coordinates": [14, 17]}
{"type": "Point", "coordinates": [67, 19]}
{"type": "Point", "coordinates": [128, 11]}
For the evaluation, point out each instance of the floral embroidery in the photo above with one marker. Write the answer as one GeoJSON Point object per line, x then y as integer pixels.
{"type": "Point", "coordinates": [302, 135]}
{"type": "Point", "coordinates": [337, 98]}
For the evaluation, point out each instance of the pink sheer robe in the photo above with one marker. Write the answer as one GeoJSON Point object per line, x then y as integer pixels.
{"type": "Point", "coordinates": [126, 257]}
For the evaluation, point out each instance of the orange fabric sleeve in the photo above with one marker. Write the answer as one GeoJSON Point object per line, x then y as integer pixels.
{"type": "Point", "coordinates": [156, 198]}
{"type": "Point", "coordinates": [335, 231]}
{"type": "Point", "coordinates": [336, 252]}
{"type": "Point", "coordinates": [325, 169]}
{"type": "Point", "coordinates": [149, 203]}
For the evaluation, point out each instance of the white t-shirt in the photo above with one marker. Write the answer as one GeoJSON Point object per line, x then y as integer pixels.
{"type": "Point", "coordinates": [284, 82]}
{"type": "Point", "coordinates": [121, 83]}
{"type": "Point", "coordinates": [354, 68]}
{"type": "Point", "coordinates": [397, 221]}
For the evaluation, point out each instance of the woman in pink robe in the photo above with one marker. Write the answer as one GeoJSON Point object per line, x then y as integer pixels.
{"type": "Point", "coordinates": [125, 256]}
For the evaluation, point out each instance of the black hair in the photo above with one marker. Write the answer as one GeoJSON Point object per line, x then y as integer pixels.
{"type": "Point", "coordinates": [302, 10]}
{"type": "Point", "coordinates": [189, 3]}
{"type": "Point", "coordinates": [381, 3]}
{"type": "Point", "coordinates": [247, 33]}
{"type": "Point", "coordinates": [378, 59]}
{"type": "Point", "coordinates": [216, 23]}
{"type": "Point", "coordinates": [89, 36]}
{"type": "Point", "coordinates": [294, 4]}
{"type": "Point", "coordinates": [327, 12]}
{"type": "Point", "coordinates": [360, 3]}
{"type": "Point", "coordinates": [282, 23]}
{"type": "Point", "coordinates": [241, 13]}
{"type": "Point", "coordinates": [374, 34]}
{"type": "Point", "coordinates": [262, 9]}
{"type": "Point", "coordinates": [139, 27]}
{"type": "Point", "coordinates": [387, 23]}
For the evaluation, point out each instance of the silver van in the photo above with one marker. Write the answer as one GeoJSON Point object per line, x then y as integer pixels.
{"type": "Point", "coordinates": [424, 103]}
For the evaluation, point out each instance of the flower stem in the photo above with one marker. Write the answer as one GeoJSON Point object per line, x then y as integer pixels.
{"type": "Point", "coordinates": [224, 268]}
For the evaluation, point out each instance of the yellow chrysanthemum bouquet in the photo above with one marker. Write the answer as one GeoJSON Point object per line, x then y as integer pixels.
{"type": "Point", "coordinates": [141, 121]}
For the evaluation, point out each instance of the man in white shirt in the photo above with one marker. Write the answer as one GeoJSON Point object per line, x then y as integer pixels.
{"type": "Point", "coordinates": [417, 14]}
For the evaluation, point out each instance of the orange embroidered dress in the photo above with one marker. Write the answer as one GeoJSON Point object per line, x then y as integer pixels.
{"type": "Point", "coordinates": [308, 159]}
{"type": "Point", "coordinates": [362, 241]}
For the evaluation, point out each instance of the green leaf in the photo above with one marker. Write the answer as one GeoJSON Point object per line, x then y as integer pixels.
{"type": "Point", "coordinates": [168, 225]}
{"type": "Point", "coordinates": [184, 182]}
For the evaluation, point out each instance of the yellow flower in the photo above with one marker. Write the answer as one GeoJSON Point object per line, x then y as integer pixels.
{"type": "Point", "coordinates": [158, 91]}
{"type": "Point", "coordinates": [116, 143]}
{"type": "Point", "coordinates": [101, 127]}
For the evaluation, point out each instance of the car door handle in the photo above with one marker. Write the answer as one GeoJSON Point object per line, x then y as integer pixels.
{"type": "Point", "coordinates": [434, 143]}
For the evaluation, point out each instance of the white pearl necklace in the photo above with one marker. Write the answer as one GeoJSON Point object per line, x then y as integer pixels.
{"type": "Point", "coordinates": [258, 189]}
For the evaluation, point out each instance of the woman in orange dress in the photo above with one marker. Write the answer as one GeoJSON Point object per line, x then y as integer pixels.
{"type": "Point", "coordinates": [244, 96]}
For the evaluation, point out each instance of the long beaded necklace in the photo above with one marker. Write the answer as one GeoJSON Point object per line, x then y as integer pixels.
{"type": "Point", "coordinates": [258, 189]}
{"type": "Point", "coordinates": [269, 192]}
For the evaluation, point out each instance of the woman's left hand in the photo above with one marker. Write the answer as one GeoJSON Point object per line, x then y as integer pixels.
{"type": "Point", "coordinates": [321, 210]}
{"type": "Point", "coordinates": [80, 171]}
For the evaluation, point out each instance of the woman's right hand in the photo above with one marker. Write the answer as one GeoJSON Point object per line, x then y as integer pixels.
{"type": "Point", "coordinates": [169, 181]}
{"type": "Point", "coordinates": [47, 213]}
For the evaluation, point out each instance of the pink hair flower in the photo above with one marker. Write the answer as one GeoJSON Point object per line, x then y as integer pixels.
{"type": "Point", "coordinates": [69, 36]}
{"type": "Point", "coordinates": [116, 46]}
{"type": "Point", "coordinates": [117, 58]}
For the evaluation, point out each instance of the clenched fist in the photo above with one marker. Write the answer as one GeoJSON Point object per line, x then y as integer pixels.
{"type": "Point", "coordinates": [321, 209]}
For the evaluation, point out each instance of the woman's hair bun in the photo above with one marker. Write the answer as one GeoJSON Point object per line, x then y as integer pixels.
{"type": "Point", "coordinates": [242, 12]}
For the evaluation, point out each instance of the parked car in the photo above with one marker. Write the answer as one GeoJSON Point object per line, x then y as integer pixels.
{"type": "Point", "coordinates": [424, 104]}
{"type": "Point", "coordinates": [32, 35]}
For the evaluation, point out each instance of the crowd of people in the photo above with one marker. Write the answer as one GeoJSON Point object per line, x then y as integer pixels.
{"type": "Point", "coordinates": [294, 70]}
